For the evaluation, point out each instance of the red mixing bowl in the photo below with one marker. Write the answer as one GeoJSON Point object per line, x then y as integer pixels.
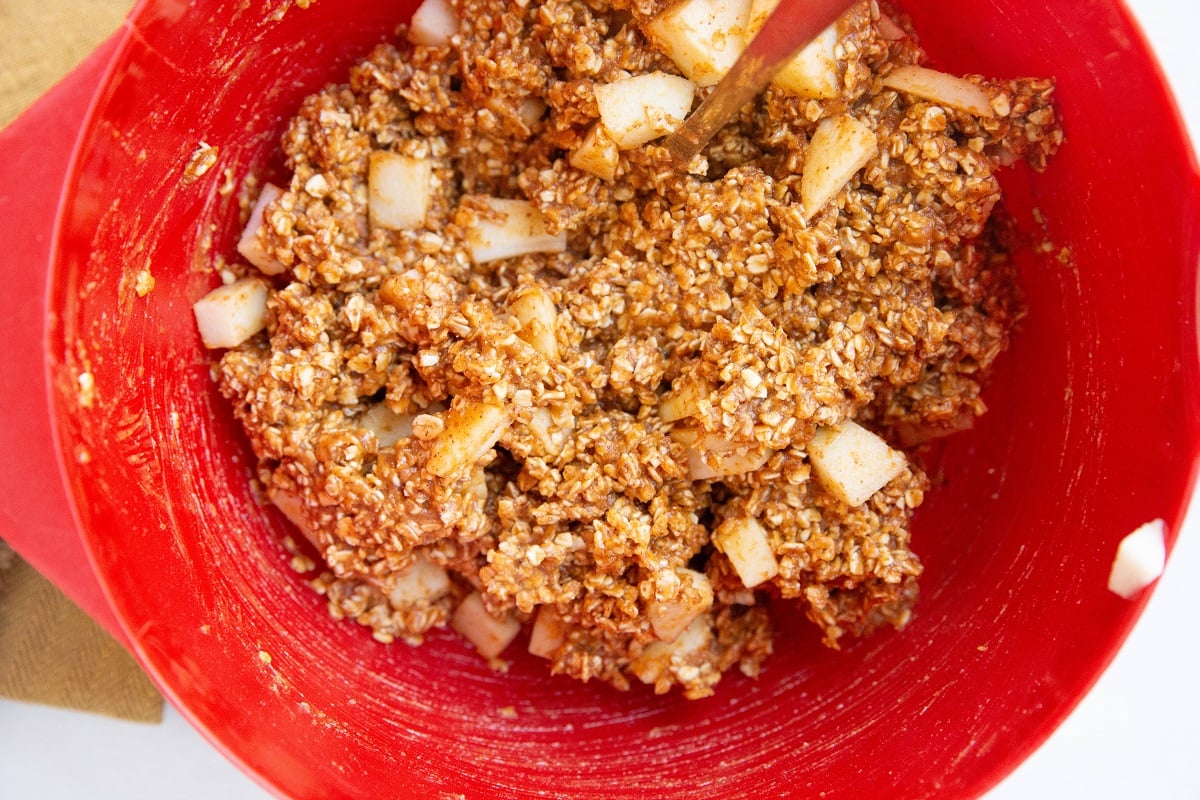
{"type": "Point", "coordinates": [116, 437]}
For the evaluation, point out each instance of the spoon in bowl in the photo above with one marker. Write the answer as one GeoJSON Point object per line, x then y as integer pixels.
{"type": "Point", "coordinates": [791, 26]}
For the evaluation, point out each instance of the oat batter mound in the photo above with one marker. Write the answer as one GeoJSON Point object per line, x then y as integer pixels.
{"type": "Point", "coordinates": [523, 375]}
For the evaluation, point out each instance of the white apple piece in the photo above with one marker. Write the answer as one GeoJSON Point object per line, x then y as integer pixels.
{"type": "Point", "coordinates": [941, 88]}
{"type": "Point", "coordinates": [813, 72]}
{"type": "Point", "coordinates": [399, 189]}
{"type": "Point", "coordinates": [548, 632]}
{"type": "Point", "coordinates": [433, 23]}
{"type": "Point", "coordinates": [531, 111]}
{"type": "Point", "coordinates": [744, 542]}
{"type": "Point", "coordinates": [249, 246]}
{"type": "Point", "coordinates": [534, 310]}
{"type": "Point", "coordinates": [552, 428]}
{"type": "Point", "coordinates": [703, 37]}
{"type": "Point", "coordinates": [641, 108]}
{"type": "Point", "coordinates": [423, 582]}
{"type": "Point", "coordinates": [518, 230]}
{"type": "Point", "coordinates": [683, 400]}
{"type": "Point", "coordinates": [839, 148]}
{"type": "Point", "coordinates": [1140, 559]}
{"type": "Point", "coordinates": [292, 508]}
{"type": "Point", "coordinates": [852, 463]}
{"type": "Point", "coordinates": [597, 154]}
{"type": "Point", "coordinates": [711, 456]}
{"type": "Point", "coordinates": [655, 660]}
{"type": "Point", "coordinates": [387, 426]}
{"type": "Point", "coordinates": [489, 634]}
{"type": "Point", "coordinates": [669, 618]}
{"type": "Point", "coordinates": [470, 430]}
{"type": "Point", "coordinates": [231, 314]}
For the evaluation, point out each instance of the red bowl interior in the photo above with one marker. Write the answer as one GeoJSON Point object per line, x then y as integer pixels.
{"type": "Point", "coordinates": [1092, 431]}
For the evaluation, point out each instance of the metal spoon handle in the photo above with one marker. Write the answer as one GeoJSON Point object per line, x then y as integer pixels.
{"type": "Point", "coordinates": [791, 26]}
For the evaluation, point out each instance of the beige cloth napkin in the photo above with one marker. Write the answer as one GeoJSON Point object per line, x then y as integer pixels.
{"type": "Point", "coordinates": [50, 651]}
{"type": "Point", "coordinates": [53, 653]}
{"type": "Point", "coordinates": [41, 40]}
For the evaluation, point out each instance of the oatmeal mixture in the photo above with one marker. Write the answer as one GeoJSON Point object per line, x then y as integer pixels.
{"type": "Point", "coordinates": [523, 375]}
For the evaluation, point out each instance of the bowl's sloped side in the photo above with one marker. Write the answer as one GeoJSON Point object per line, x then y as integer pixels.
{"type": "Point", "coordinates": [1093, 426]}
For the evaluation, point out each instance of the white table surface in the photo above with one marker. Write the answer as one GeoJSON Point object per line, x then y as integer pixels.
{"type": "Point", "coordinates": [1136, 735]}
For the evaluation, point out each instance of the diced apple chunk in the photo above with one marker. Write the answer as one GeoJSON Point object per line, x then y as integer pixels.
{"type": "Point", "coordinates": [1140, 559]}
{"type": "Point", "coordinates": [552, 428]}
{"type": "Point", "coordinates": [683, 400]}
{"type": "Point", "coordinates": [231, 314]}
{"type": "Point", "coordinates": [656, 658]}
{"type": "Point", "coordinates": [710, 456]}
{"type": "Point", "coordinates": [534, 309]}
{"type": "Point", "coordinates": [433, 23]}
{"type": "Point", "coordinates": [640, 108]}
{"type": "Point", "coordinates": [423, 582]}
{"type": "Point", "coordinates": [745, 543]}
{"type": "Point", "coordinates": [597, 154]}
{"type": "Point", "coordinates": [470, 430]}
{"type": "Point", "coordinates": [669, 618]}
{"type": "Point", "coordinates": [548, 632]}
{"type": "Point", "coordinates": [839, 148]}
{"type": "Point", "coordinates": [940, 87]}
{"type": "Point", "coordinates": [730, 459]}
{"type": "Point", "coordinates": [531, 111]}
{"type": "Point", "coordinates": [292, 507]}
{"type": "Point", "coordinates": [703, 37]}
{"type": "Point", "coordinates": [852, 463]}
{"type": "Point", "coordinates": [813, 72]}
{"type": "Point", "coordinates": [489, 634]}
{"type": "Point", "coordinates": [387, 426]}
{"type": "Point", "coordinates": [249, 246]}
{"type": "Point", "coordinates": [399, 189]}
{"type": "Point", "coordinates": [519, 230]}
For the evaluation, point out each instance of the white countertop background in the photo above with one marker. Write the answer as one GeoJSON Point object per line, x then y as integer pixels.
{"type": "Point", "coordinates": [1136, 735]}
